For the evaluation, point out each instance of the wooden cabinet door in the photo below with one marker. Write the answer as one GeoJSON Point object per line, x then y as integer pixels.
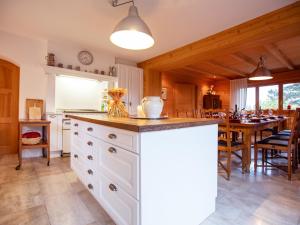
{"type": "Point", "coordinates": [9, 107]}
{"type": "Point", "coordinates": [185, 97]}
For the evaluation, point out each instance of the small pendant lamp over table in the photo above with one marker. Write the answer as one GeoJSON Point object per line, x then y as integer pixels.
{"type": "Point", "coordinates": [261, 72]}
{"type": "Point", "coordinates": [131, 32]}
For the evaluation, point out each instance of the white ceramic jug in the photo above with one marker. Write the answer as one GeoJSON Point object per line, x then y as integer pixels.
{"type": "Point", "coordinates": [152, 106]}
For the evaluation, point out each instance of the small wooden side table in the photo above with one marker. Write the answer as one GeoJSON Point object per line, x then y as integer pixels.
{"type": "Point", "coordinates": [45, 142]}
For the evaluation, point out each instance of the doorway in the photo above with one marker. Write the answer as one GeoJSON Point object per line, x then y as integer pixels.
{"type": "Point", "coordinates": [185, 97]}
{"type": "Point", "coordinates": [9, 107]}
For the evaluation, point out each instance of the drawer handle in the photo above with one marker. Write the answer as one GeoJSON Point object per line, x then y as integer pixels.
{"type": "Point", "coordinates": [90, 186]}
{"type": "Point", "coordinates": [75, 124]}
{"type": "Point", "coordinates": [76, 133]}
{"type": "Point", "coordinates": [90, 129]}
{"type": "Point", "coordinates": [76, 156]}
{"type": "Point", "coordinates": [113, 187]}
{"type": "Point", "coordinates": [112, 136]}
{"type": "Point", "coordinates": [89, 143]}
{"type": "Point", "coordinates": [90, 172]}
{"type": "Point", "coordinates": [90, 157]}
{"type": "Point", "coordinates": [112, 150]}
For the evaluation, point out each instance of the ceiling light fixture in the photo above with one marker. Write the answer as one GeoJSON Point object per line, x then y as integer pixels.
{"type": "Point", "coordinates": [131, 32]}
{"type": "Point", "coordinates": [261, 72]}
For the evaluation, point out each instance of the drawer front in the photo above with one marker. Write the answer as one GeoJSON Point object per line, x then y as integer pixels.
{"type": "Point", "coordinates": [122, 138]}
{"type": "Point", "coordinates": [119, 205]}
{"type": "Point", "coordinates": [121, 166]}
{"type": "Point", "coordinates": [77, 139]}
{"type": "Point", "coordinates": [92, 181]}
{"type": "Point", "coordinates": [76, 125]}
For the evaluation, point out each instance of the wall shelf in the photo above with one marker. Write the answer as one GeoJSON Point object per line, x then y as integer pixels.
{"type": "Point", "coordinates": [76, 73]}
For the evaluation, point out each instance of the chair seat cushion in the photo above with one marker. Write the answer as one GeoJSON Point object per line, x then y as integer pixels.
{"type": "Point", "coordinates": [268, 129]}
{"type": "Point", "coordinates": [280, 137]}
{"type": "Point", "coordinates": [224, 143]}
{"type": "Point", "coordinates": [285, 133]}
{"type": "Point", "coordinates": [273, 142]}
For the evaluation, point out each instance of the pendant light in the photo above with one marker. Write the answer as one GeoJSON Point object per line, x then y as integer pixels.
{"type": "Point", "coordinates": [261, 72]}
{"type": "Point", "coordinates": [131, 32]}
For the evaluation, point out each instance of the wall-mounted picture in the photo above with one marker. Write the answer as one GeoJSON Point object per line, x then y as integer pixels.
{"type": "Point", "coordinates": [164, 93]}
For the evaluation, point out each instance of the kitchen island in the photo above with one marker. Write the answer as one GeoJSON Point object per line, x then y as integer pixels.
{"type": "Point", "coordinates": [146, 172]}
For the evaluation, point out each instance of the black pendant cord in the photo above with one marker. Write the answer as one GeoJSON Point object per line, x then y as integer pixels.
{"type": "Point", "coordinates": [116, 4]}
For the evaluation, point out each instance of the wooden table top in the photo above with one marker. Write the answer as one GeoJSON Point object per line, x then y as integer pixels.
{"type": "Point", "coordinates": [143, 125]}
{"type": "Point", "coordinates": [254, 124]}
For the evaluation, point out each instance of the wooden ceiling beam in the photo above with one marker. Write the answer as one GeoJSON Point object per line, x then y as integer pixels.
{"type": "Point", "coordinates": [275, 51]}
{"type": "Point", "coordinates": [244, 59]}
{"type": "Point", "coordinates": [275, 26]}
{"type": "Point", "coordinates": [200, 71]}
{"type": "Point", "coordinates": [227, 69]}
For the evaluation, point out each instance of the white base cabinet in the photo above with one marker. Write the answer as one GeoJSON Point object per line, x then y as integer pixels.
{"type": "Point", "coordinates": [149, 178]}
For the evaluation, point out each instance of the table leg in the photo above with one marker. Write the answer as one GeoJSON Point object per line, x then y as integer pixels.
{"type": "Point", "coordinates": [48, 148]}
{"type": "Point", "coordinates": [248, 149]}
{"type": "Point", "coordinates": [18, 167]}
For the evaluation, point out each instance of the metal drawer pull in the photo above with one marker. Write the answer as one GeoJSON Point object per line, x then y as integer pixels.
{"type": "Point", "coordinates": [76, 133]}
{"type": "Point", "coordinates": [90, 129]}
{"type": "Point", "coordinates": [112, 187]}
{"type": "Point", "coordinates": [75, 124]}
{"type": "Point", "coordinates": [90, 186]}
{"type": "Point", "coordinates": [89, 143]}
{"type": "Point", "coordinates": [90, 171]}
{"type": "Point", "coordinates": [112, 136]}
{"type": "Point", "coordinates": [112, 150]}
{"type": "Point", "coordinates": [90, 157]}
{"type": "Point", "coordinates": [76, 156]}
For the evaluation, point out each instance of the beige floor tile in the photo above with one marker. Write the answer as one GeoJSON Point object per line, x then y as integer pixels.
{"type": "Point", "coordinates": [32, 216]}
{"type": "Point", "coordinates": [67, 209]}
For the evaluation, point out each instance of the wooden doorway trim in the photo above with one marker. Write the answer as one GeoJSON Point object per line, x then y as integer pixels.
{"type": "Point", "coordinates": [9, 107]}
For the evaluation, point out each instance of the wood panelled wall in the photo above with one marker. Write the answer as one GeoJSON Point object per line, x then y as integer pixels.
{"type": "Point", "coordinates": [169, 80]}
{"type": "Point", "coordinates": [222, 88]}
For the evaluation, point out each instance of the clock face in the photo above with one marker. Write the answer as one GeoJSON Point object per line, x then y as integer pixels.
{"type": "Point", "coordinates": [85, 57]}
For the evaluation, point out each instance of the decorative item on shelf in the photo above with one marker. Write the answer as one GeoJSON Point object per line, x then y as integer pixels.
{"type": "Point", "coordinates": [211, 91]}
{"type": "Point", "coordinates": [34, 109]}
{"type": "Point", "coordinates": [77, 68]}
{"type": "Point", "coordinates": [85, 57]}
{"type": "Point", "coordinates": [152, 106]}
{"type": "Point", "coordinates": [60, 65]}
{"type": "Point", "coordinates": [50, 59]}
{"type": "Point", "coordinates": [116, 108]}
{"type": "Point", "coordinates": [96, 71]}
{"type": "Point", "coordinates": [164, 93]}
{"type": "Point", "coordinates": [289, 107]}
{"type": "Point", "coordinates": [110, 71]}
{"type": "Point", "coordinates": [102, 72]}
{"type": "Point", "coordinates": [31, 138]}
{"type": "Point", "coordinates": [70, 67]}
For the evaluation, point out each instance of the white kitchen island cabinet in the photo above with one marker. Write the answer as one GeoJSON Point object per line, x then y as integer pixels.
{"type": "Point", "coordinates": [148, 172]}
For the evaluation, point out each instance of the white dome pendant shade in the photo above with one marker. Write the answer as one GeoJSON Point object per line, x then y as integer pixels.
{"type": "Point", "coordinates": [261, 72]}
{"type": "Point", "coordinates": [132, 32]}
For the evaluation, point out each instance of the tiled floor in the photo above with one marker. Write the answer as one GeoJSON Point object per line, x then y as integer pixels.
{"type": "Point", "coordinates": [41, 195]}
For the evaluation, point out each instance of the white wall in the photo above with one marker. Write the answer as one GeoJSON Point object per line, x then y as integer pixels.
{"type": "Point", "coordinates": [78, 93]}
{"type": "Point", "coordinates": [29, 55]}
{"type": "Point", "coordinates": [66, 53]}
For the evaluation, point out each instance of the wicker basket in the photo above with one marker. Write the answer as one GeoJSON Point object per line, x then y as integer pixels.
{"type": "Point", "coordinates": [31, 141]}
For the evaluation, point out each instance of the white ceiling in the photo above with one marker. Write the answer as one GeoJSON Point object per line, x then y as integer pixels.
{"type": "Point", "coordinates": [173, 23]}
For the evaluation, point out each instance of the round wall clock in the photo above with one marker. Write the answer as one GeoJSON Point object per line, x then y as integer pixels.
{"type": "Point", "coordinates": [85, 57]}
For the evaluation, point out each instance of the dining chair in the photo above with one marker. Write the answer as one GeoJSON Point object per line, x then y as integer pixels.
{"type": "Point", "coordinates": [280, 142]}
{"type": "Point", "coordinates": [228, 146]}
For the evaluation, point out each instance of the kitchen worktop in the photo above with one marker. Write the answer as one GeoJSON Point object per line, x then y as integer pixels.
{"type": "Point", "coordinates": [144, 125]}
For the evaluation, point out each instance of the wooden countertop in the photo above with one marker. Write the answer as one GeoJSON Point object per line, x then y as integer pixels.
{"type": "Point", "coordinates": [142, 125]}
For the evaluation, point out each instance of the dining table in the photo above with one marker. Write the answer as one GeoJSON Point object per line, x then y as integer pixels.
{"type": "Point", "coordinates": [249, 128]}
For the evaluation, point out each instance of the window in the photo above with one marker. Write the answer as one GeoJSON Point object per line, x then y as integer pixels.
{"type": "Point", "coordinates": [291, 95]}
{"type": "Point", "coordinates": [268, 97]}
{"type": "Point", "coordinates": [250, 102]}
